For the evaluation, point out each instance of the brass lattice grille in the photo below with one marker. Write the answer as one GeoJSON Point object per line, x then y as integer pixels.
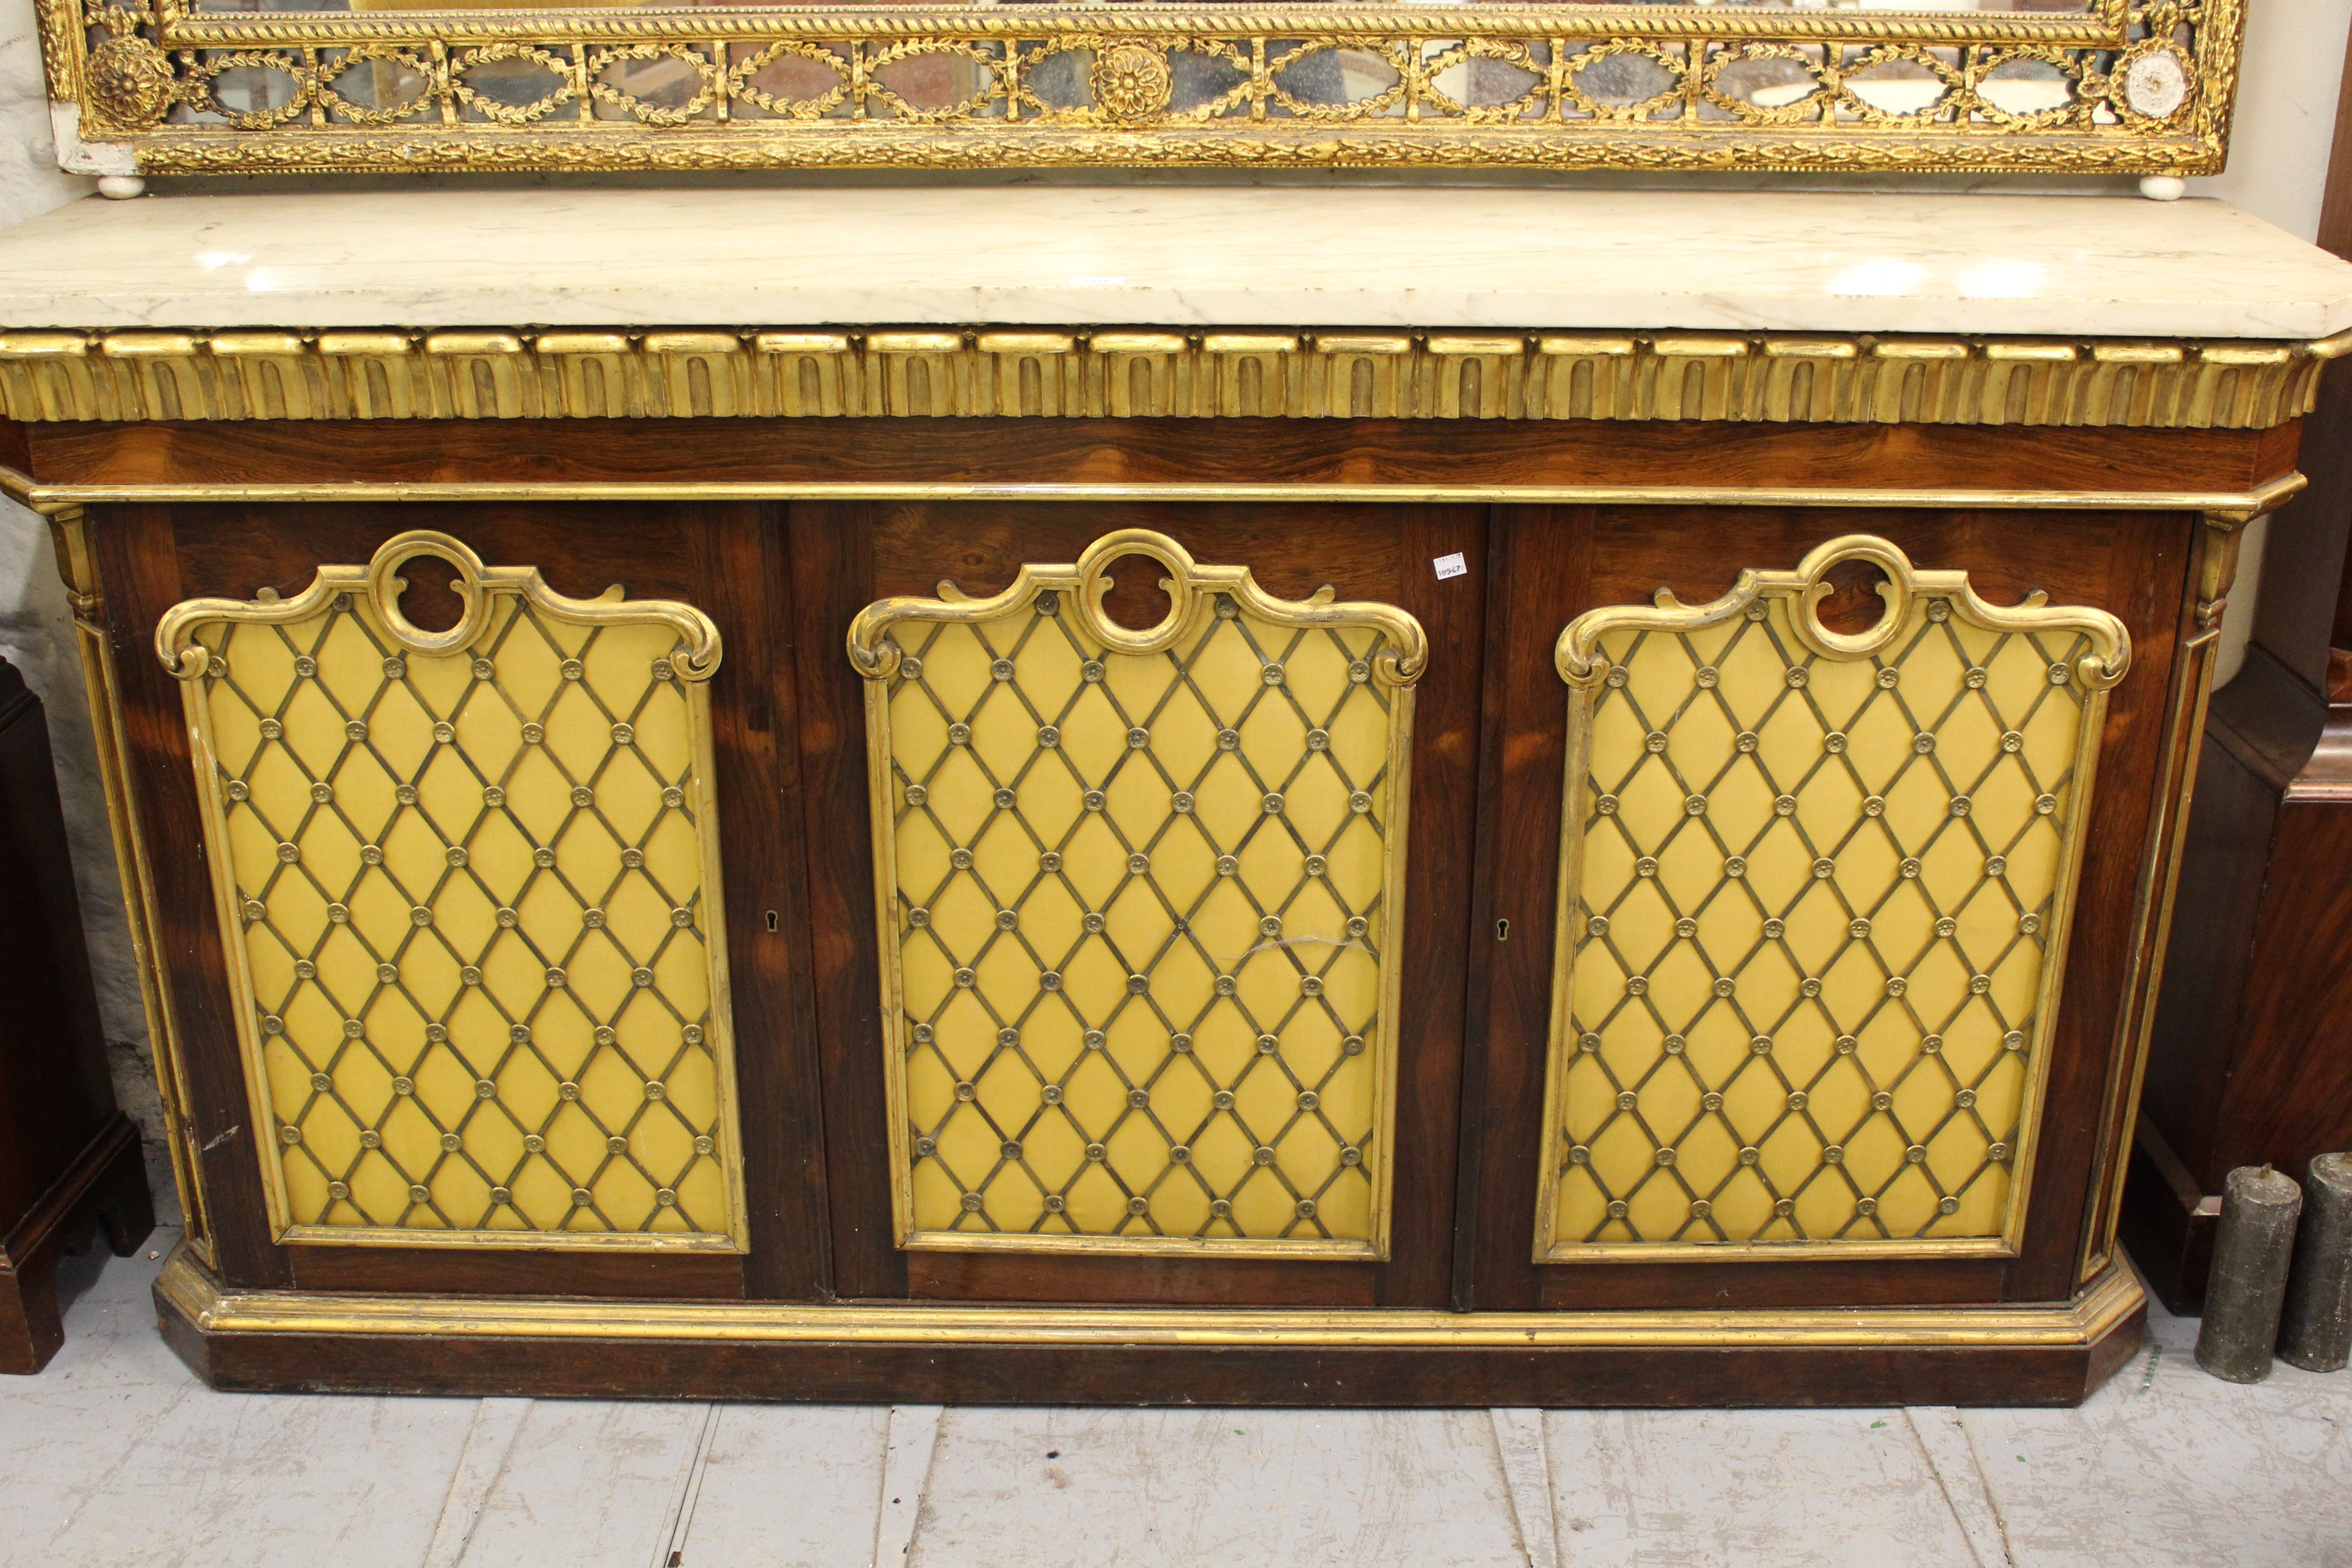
{"type": "Point", "coordinates": [469, 886]}
{"type": "Point", "coordinates": [1139, 892]}
{"type": "Point", "coordinates": [1811, 883]}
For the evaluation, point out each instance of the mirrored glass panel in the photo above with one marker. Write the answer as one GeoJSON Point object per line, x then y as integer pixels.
{"type": "Point", "coordinates": [1989, 86]}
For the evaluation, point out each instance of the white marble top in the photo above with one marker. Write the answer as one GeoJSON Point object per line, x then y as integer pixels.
{"type": "Point", "coordinates": [1175, 256]}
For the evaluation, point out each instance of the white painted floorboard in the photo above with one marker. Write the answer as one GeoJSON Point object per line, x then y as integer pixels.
{"type": "Point", "coordinates": [1216, 1489]}
{"type": "Point", "coordinates": [1808, 1488]}
{"type": "Point", "coordinates": [480, 1463]}
{"type": "Point", "coordinates": [589, 1481]}
{"type": "Point", "coordinates": [792, 1486]}
{"type": "Point", "coordinates": [2165, 1465]}
{"type": "Point", "coordinates": [1527, 1470]}
{"type": "Point", "coordinates": [117, 1456]}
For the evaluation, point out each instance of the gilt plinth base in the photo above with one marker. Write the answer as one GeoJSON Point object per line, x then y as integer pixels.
{"type": "Point", "coordinates": [289, 1341]}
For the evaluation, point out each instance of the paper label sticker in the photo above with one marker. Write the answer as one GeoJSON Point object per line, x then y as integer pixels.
{"type": "Point", "coordinates": [1451, 566]}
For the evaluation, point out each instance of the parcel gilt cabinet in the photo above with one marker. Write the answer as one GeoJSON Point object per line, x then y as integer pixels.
{"type": "Point", "coordinates": [1492, 858]}
{"type": "Point", "coordinates": [1025, 936]}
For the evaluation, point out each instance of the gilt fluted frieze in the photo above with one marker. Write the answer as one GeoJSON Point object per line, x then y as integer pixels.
{"type": "Point", "coordinates": [932, 372]}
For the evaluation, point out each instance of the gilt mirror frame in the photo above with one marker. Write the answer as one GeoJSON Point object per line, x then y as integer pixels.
{"type": "Point", "coordinates": [2116, 87]}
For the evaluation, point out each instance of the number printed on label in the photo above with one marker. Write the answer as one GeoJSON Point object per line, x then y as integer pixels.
{"type": "Point", "coordinates": [1451, 566]}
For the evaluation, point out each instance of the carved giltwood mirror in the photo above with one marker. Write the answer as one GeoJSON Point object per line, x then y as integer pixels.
{"type": "Point", "coordinates": [192, 86]}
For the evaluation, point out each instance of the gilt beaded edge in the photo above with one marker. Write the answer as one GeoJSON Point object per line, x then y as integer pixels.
{"type": "Point", "coordinates": [1812, 921]}
{"type": "Point", "coordinates": [469, 886]}
{"type": "Point", "coordinates": [2119, 88]}
{"type": "Point", "coordinates": [1137, 898]}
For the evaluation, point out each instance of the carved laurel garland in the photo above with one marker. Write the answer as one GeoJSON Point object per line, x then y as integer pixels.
{"type": "Point", "coordinates": [2135, 88]}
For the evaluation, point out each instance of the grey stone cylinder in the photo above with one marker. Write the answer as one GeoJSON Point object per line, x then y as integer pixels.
{"type": "Point", "coordinates": [2248, 1288]}
{"type": "Point", "coordinates": [2315, 1333]}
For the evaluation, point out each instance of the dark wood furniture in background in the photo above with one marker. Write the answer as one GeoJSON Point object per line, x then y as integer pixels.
{"type": "Point", "coordinates": [2250, 1062]}
{"type": "Point", "coordinates": [69, 1162]}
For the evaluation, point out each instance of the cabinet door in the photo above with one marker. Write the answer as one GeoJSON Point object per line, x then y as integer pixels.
{"type": "Point", "coordinates": [488, 937]}
{"type": "Point", "coordinates": [1139, 847]}
{"type": "Point", "coordinates": [1820, 840]}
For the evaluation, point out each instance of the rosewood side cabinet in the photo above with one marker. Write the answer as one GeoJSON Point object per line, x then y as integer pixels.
{"type": "Point", "coordinates": [1584, 821]}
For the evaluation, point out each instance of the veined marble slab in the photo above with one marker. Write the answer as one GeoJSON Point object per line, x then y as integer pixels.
{"type": "Point", "coordinates": [1192, 255]}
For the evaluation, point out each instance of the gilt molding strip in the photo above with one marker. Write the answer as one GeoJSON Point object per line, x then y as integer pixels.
{"type": "Point", "coordinates": [1075, 373]}
{"type": "Point", "coordinates": [200, 1299]}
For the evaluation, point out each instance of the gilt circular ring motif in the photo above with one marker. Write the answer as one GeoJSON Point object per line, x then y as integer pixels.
{"type": "Point", "coordinates": [129, 80]}
{"type": "Point", "coordinates": [1131, 81]}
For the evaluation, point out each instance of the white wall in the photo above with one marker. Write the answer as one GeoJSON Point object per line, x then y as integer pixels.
{"type": "Point", "coordinates": [2287, 82]}
{"type": "Point", "coordinates": [2286, 108]}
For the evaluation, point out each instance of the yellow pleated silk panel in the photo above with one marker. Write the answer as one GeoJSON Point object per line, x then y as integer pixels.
{"type": "Point", "coordinates": [469, 884]}
{"type": "Point", "coordinates": [1814, 889]}
{"type": "Point", "coordinates": [1138, 896]}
